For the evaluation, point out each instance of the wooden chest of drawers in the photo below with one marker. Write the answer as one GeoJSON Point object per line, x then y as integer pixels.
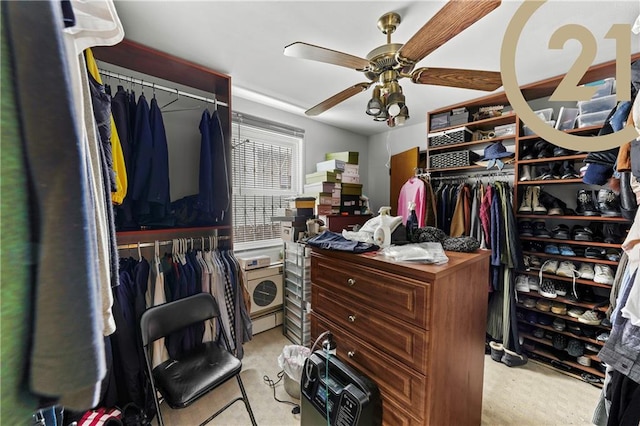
{"type": "Point", "coordinates": [416, 330]}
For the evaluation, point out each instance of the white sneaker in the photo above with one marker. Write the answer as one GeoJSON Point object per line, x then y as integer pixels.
{"type": "Point", "coordinates": [550, 266]}
{"type": "Point", "coordinates": [533, 283]}
{"type": "Point", "coordinates": [586, 271]}
{"type": "Point", "coordinates": [522, 283]}
{"type": "Point", "coordinates": [603, 274]}
{"type": "Point", "coordinates": [566, 269]}
{"type": "Point", "coordinates": [547, 289]}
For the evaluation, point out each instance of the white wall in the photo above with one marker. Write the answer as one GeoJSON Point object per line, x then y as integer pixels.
{"type": "Point", "coordinates": [381, 147]}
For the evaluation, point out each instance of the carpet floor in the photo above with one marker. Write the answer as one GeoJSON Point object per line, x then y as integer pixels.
{"type": "Point", "coordinates": [528, 395]}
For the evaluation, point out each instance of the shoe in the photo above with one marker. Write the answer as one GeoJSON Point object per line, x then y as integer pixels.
{"type": "Point", "coordinates": [549, 267]}
{"type": "Point", "coordinates": [497, 351]}
{"type": "Point", "coordinates": [522, 283]}
{"type": "Point", "coordinates": [603, 337]}
{"type": "Point", "coordinates": [559, 151]}
{"type": "Point", "coordinates": [551, 249]}
{"type": "Point", "coordinates": [566, 250]}
{"type": "Point", "coordinates": [575, 312]}
{"type": "Point", "coordinates": [543, 305]}
{"type": "Point", "coordinates": [529, 302]}
{"type": "Point", "coordinates": [559, 308]}
{"type": "Point", "coordinates": [531, 317]}
{"type": "Point", "coordinates": [528, 152]}
{"type": "Point", "coordinates": [540, 230]}
{"type": "Point", "coordinates": [559, 324]}
{"type": "Point", "coordinates": [524, 228]}
{"type": "Point", "coordinates": [560, 232]}
{"type": "Point", "coordinates": [554, 169]}
{"type": "Point", "coordinates": [608, 203]}
{"type": "Point", "coordinates": [584, 360]}
{"type": "Point", "coordinates": [586, 271]}
{"type": "Point", "coordinates": [544, 319]}
{"type": "Point", "coordinates": [590, 378]}
{"type": "Point", "coordinates": [613, 255]}
{"type": "Point", "coordinates": [544, 149]}
{"type": "Point", "coordinates": [513, 359]}
{"type": "Point", "coordinates": [603, 274]}
{"type": "Point", "coordinates": [606, 322]}
{"type": "Point", "coordinates": [591, 347]}
{"type": "Point", "coordinates": [568, 172]}
{"type": "Point", "coordinates": [548, 290]}
{"type": "Point", "coordinates": [525, 206]}
{"type": "Point", "coordinates": [536, 246]}
{"type": "Point", "coordinates": [595, 253]}
{"type": "Point", "coordinates": [590, 318]}
{"type": "Point", "coordinates": [554, 205]}
{"type": "Point", "coordinates": [525, 173]}
{"type": "Point", "coordinates": [582, 233]}
{"type": "Point", "coordinates": [567, 269]}
{"type": "Point", "coordinates": [628, 202]}
{"type": "Point", "coordinates": [585, 205]}
{"type": "Point", "coordinates": [533, 283]}
{"type": "Point", "coordinates": [559, 341]}
{"type": "Point", "coordinates": [534, 262]}
{"type": "Point", "coordinates": [574, 329]}
{"type": "Point", "coordinates": [539, 333]}
{"type": "Point", "coordinates": [575, 348]}
{"type": "Point", "coordinates": [561, 288]}
{"type": "Point", "coordinates": [536, 205]}
{"type": "Point", "coordinates": [611, 233]}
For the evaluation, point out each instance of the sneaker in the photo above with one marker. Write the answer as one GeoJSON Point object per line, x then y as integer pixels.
{"type": "Point", "coordinates": [561, 288]}
{"type": "Point", "coordinates": [575, 312]}
{"type": "Point", "coordinates": [582, 233]}
{"type": "Point", "coordinates": [591, 347]}
{"type": "Point", "coordinates": [549, 267]}
{"type": "Point", "coordinates": [586, 205]}
{"type": "Point", "coordinates": [590, 318]}
{"type": "Point", "coordinates": [543, 305]}
{"type": "Point", "coordinates": [544, 319]}
{"type": "Point", "coordinates": [534, 262]}
{"type": "Point", "coordinates": [586, 271]}
{"type": "Point", "coordinates": [531, 317]}
{"type": "Point", "coordinates": [584, 360]}
{"type": "Point", "coordinates": [613, 255]}
{"type": "Point", "coordinates": [522, 283]}
{"type": "Point", "coordinates": [575, 348]}
{"type": "Point", "coordinates": [539, 333]}
{"type": "Point", "coordinates": [566, 269]}
{"type": "Point", "coordinates": [590, 378]}
{"type": "Point", "coordinates": [603, 274]}
{"type": "Point", "coordinates": [513, 359]}
{"type": "Point", "coordinates": [566, 250]}
{"type": "Point", "coordinates": [497, 351]}
{"type": "Point", "coordinates": [547, 289]}
{"type": "Point", "coordinates": [551, 249]}
{"type": "Point", "coordinates": [524, 228]}
{"type": "Point", "coordinates": [559, 308]}
{"type": "Point", "coordinates": [533, 283]}
{"type": "Point", "coordinates": [559, 341]}
{"type": "Point", "coordinates": [595, 253]}
{"type": "Point", "coordinates": [559, 324]}
{"type": "Point", "coordinates": [529, 302]}
{"type": "Point", "coordinates": [574, 329]}
{"type": "Point", "coordinates": [540, 230]}
{"type": "Point", "coordinates": [608, 203]}
{"type": "Point", "coordinates": [606, 322]}
{"type": "Point", "coordinates": [603, 337]}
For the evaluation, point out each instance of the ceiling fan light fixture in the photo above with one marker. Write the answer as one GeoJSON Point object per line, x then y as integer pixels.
{"type": "Point", "coordinates": [402, 117]}
{"type": "Point", "coordinates": [374, 106]}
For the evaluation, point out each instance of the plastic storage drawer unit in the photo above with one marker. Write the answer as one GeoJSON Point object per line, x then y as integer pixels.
{"type": "Point", "coordinates": [592, 119]}
{"type": "Point", "coordinates": [605, 103]}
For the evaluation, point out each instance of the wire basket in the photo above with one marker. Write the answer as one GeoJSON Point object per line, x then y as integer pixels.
{"type": "Point", "coordinates": [450, 137]}
{"type": "Point", "coordinates": [453, 159]}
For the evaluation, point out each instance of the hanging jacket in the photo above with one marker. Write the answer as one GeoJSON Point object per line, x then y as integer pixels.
{"type": "Point", "coordinates": [222, 196]}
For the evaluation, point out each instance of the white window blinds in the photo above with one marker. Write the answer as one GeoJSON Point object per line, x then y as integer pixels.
{"type": "Point", "coordinates": [266, 170]}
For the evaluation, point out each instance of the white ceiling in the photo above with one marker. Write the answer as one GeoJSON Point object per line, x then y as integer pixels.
{"type": "Point", "coordinates": [246, 40]}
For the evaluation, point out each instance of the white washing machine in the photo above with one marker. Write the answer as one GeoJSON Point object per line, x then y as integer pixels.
{"type": "Point", "coordinates": [265, 287]}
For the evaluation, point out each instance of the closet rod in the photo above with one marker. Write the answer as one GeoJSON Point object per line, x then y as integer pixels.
{"type": "Point", "coordinates": [167, 242]}
{"type": "Point", "coordinates": [159, 87]}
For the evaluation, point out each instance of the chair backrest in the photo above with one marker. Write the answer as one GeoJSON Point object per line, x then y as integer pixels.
{"type": "Point", "coordinates": [162, 320]}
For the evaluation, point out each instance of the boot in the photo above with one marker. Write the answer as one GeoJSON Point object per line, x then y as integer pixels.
{"type": "Point", "coordinates": [536, 205]}
{"type": "Point", "coordinates": [568, 172]}
{"type": "Point", "coordinates": [585, 205]}
{"type": "Point", "coordinates": [554, 169]}
{"type": "Point", "coordinates": [525, 206]}
{"type": "Point", "coordinates": [611, 233]}
{"type": "Point", "coordinates": [525, 172]}
{"type": "Point", "coordinates": [628, 204]}
{"type": "Point", "coordinates": [608, 203]}
{"type": "Point", "coordinates": [554, 205]}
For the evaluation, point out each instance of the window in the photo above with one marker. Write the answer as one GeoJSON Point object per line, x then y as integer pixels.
{"type": "Point", "coordinates": [266, 161]}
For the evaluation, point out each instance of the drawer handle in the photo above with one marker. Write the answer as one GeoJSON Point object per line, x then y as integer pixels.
{"type": "Point", "coordinates": [352, 318]}
{"type": "Point", "coordinates": [351, 282]}
{"type": "Point", "coordinates": [351, 354]}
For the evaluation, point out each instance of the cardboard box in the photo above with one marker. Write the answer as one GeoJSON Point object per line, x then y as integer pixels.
{"type": "Point", "coordinates": [351, 170]}
{"type": "Point", "coordinates": [350, 179]}
{"type": "Point", "coordinates": [351, 189]}
{"type": "Point", "coordinates": [324, 176]}
{"type": "Point", "coordinates": [321, 187]}
{"type": "Point", "coordinates": [330, 165]}
{"type": "Point", "coordinates": [346, 156]}
{"type": "Point", "coordinates": [253, 262]}
{"type": "Point", "coordinates": [291, 233]}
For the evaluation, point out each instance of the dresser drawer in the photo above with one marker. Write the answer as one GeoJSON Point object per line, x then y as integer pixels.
{"type": "Point", "coordinates": [398, 384]}
{"type": "Point", "coordinates": [400, 297]}
{"type": "Point", "coordinates": [402, 341]}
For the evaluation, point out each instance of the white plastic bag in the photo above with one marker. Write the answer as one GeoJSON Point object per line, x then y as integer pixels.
{"type": "Point", "coordinates": [292, 359]}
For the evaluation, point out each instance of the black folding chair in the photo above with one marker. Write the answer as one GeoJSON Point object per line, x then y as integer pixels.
{"type": "Point", "coordinates": [193, 374]}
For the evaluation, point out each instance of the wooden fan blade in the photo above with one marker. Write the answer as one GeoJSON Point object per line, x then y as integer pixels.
{"type": "Point", "coordinates": [452, 19]}
{"type": "Point", "coordinates": [453, 77]}
{"type": "Point", "coordinates": [317, 53]}
{"type": "Point", "coordinates": [337, 98]}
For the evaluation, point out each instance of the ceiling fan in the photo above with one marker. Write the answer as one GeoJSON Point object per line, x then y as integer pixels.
{"type": "Point", "coordinates": [387, 64]}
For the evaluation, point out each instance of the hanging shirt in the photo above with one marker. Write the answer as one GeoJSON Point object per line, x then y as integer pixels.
{"type": "Point", "coordinates": [412, 191]}
{"type": "Point", "coordinates": [222, 194]}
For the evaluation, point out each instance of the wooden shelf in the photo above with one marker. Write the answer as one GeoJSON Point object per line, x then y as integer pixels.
{"type": "Point", "coordinates": [572, 258]}
{"type": "Point", "coordinates": [586, 305]}
{"type": "Point", "coordinates": [487, 123]}
{"type": "Point", "coordinates": [570, 280]}
{"type": "Point", "coordinates": [548, 342]}
{"type": "Point", "coordinates": [471, 143]}
{"type": "Point", "coordinates": [550, 181]}
{"type": "Point", "coordinates": [474, 167]}
{"type": "Point", "coordinates": [570, 242]}
{"type": "Point", "coordinates": [564, 317]}
{"type": "Point", "coordinates": [548, 159]}
{"type": "Point", "coordinates": [573, 364]}
{"type": "Point", "coordinates": [566, 333]}
{"type": "Point", "coordinates": [572, 217]}
{"type": "Point", "coordinates": [581, 131]}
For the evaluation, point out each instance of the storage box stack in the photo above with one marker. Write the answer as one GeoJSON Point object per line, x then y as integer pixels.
{"type": "Point", "coordinates": [325, 185]}
{"type": "Point", "coordinates": [459, 116]}
{"type": "Point", "coordinates": [293, 219]}
{"type": "Point", "coordinates": [350, 202]}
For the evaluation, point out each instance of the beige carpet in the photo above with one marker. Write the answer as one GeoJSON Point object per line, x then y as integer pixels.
{"type": "Point", "coordinates": [527, 395]}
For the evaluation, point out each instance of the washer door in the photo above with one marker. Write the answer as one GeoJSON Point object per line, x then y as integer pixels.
{"type": "Point", "coordinates": [266, 293]}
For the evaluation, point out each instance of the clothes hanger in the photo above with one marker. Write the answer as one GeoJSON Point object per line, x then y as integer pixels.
{"type": "Point", "coordinates": [172, 101]}
{"type": "Point", "coordinates": [139, 253]}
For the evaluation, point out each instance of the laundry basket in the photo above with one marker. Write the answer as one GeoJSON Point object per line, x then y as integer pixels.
{"type": "Point", "coordinates": [292, 360]}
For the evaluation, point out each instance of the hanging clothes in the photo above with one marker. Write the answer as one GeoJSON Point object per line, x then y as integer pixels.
{"type": "Point", "coordinates": [157, 193]}
{"type": "Point", "coordinates": [222, 185]}
{"type": "Point", "coordinates": [413, 190]}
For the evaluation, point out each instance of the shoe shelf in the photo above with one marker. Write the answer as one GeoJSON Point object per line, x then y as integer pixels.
{"type": "Point", "coordinates": [561, 278]}
{"type": "Point", "coordinates": [550, 181]}
{"type": "Point", "coordinates": [566, 333]}
{"type": "Point", "coordinates": [478, 142]}
{"type": "Point", "coordinates": [586, 305]}
{"type": "Point", "coordinates": [570, 363]}
{"type": "Point", "coordinates": [547, 159]}
{"type": "Point", "coordinates": [571, 258]}
{"type": "Point", "coordinates": [486, 124]}
{"type": "Point", "coordinates": [564, 317]}
{"type": "Point", "coordinates": [591, 130]}
{"type": "Point", "coordinates": [548, 342]}
{"type": "Point", "coordinates": [569, 242]}
{"type": "Point", "coordinates": [565, 217]}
